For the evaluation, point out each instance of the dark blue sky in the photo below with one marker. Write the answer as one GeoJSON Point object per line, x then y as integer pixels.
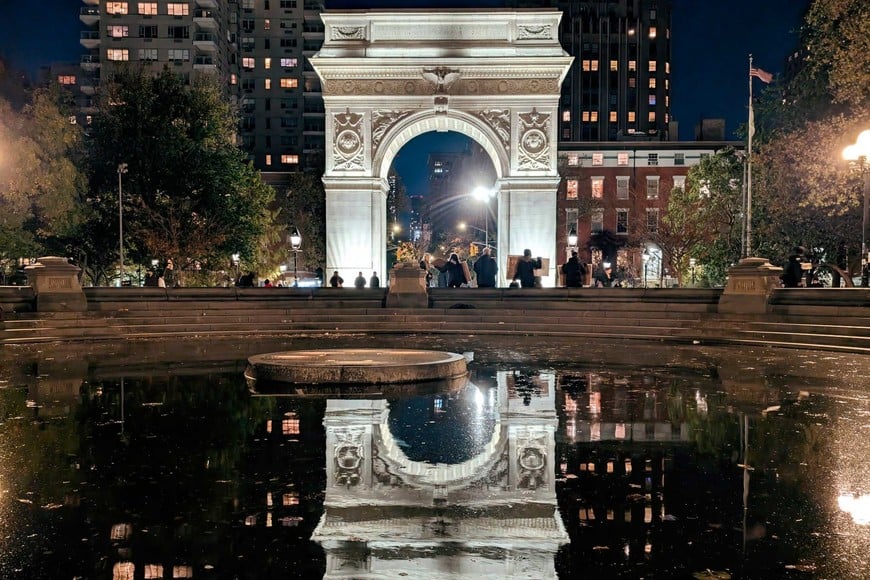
{"type": "Point", "coordinates": [711, 41]}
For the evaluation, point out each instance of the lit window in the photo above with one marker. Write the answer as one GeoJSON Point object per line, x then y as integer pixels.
{"type": "Point", "coordinates": [594, 65]}
{"type": "Point", "coordinates": [288, 62]}
{"type": "Point", "coordinates": [148, 8]}
{"type": "Point", "coordinates": [652, 31]}
{"type": "Point", "coordinates": [117, 54]}
{"type": "Point", "coordinates": [290, 499]}
{"type": "Point", "coordinates": [652, 100]}
{"type": "Point", "coordinates": [234, 79]}
{"type": "Point", "coordinates": [667, 68]}
{"type": "Point", "coordinates": [268, 84]}
{"type": "Point", "coordinates": [117, 31]}
{"type": "Point", "coordinates": [652, 117]}
{"type": "Point", "coordinates": [66, 79]}
{"type": "Point", "coordinates": [290, 159]}
{"type": "Point", "coordinates": [573, 159]}
{"type": "Point", "coordinates": [287, 83]}
{"type": "Point", "coordinates": [148, 54]}
{"type": "Point", "coordinates": [622, 183]}
{"type": "Point", "coordinates": [613, 116]}
{"type": "Point", "coordinates": [594, 117]}
{"type": "Point", "coordinates": [587, 65]}
{"type": "Point", "coordinates": [622, 159]}
{"type": "Point", "coordinates": [614, 66]}
{"type": "Point", "coordinates": [566, 116]}
{"type": "Point", "coordinates": [632, 65]}
{"type": "Point", "coordinates": [632, 82]}
{"type": "Point", "coordinates": [290, 422]}
{"type": "Point", "coordinates": [679, 182]}
{"type": "Point", "coordinates": [597, 221]}
{"type": "Point", "coordinates": [123, 571]}
{"type": "Point", "coordinates": [178, 9]}
{"type": "Point", "coordinates": [153, 571]}
{"type": "Point", "coordinates": [631, 115]}
{"type": "Point", "coordinates": [267, 24]}
{"type": "Point", "coordinates": [652, 219]}
{"type": "Point", "coordinates": [597, 187]}
{"type": "Point", "coordinates": [652, 187]}
{"type": "Point", "coordinates": [585, 116]}
{"type": "Point", "coordinates": [571, 189]}
{"type": "Point", "coordinates": [268, 159]}
{"type": "Point", "coordinates": [248, 62]}
{"type": "Point", "coordinates": [652, 66]}
{"type": "Point", "coordinates": [652, 82]}
{"type": "Point", "coordinates": [622, 221]}
{"type": "Point", "coordinates": [597, 159]}
{"type": "Point", "coordinates": [267, 62]}
{"type": "Point", "coordinates": [116, 8]}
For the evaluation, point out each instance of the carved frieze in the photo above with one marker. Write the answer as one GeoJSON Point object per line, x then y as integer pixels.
{"type": "Point", "coordinates": [382, 121]}
{"type": "Point", "coordinates": [534, 145]}
{"type": "Point", "coordinates": [348, 147]}
{"type": "Point", "coordinates": [500, 122]}
{"type": "Point", "coordinates": [348, 33]}
{"type": "Point", "coordinates": [534, 32]}
{"type": "Point", "coordinates": [421, 87]}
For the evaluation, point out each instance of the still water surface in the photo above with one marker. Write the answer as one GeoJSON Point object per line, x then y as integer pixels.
{"type": "Point", "coordinates": [537, 470]}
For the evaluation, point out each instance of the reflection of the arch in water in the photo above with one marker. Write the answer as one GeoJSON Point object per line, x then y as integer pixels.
{"type": "Point", "coordinates": [492, 513]}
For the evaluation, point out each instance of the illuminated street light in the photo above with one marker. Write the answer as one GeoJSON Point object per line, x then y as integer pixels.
{"type": "Point", "coordinates": [858, 156]}
{"type": "Point", "coordinates": [122, 169]}
{"type": "Point", "coordinates": [295, 244]}
{"type": "Point", "coordinates": [572, 237]}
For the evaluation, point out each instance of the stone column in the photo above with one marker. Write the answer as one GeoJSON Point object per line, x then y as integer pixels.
{"type": "Point", "coordinates": [750, 284]}
{"type": "Point", "coordinates": [56, 284]}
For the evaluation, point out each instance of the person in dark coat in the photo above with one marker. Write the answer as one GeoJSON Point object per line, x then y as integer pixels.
{"type": "Point", "coordinates": [604, 277]}
{"type": "Point", "coordinates": [574, 271]}
{"type": "Point", "coordinates": [374, 281]}
{"type": "Point", "coordinates": [793, 273]}
{"type": "Point", "coordinates": [526, 267]}
{"type": "Point", "coordinates": [455, 272]}
{"type": "Point", "coordinates": [336, 281]}
{"type": "Point", "coordinates": [485, 269]}
{"type": "Point", "coordinates": [360, 281]}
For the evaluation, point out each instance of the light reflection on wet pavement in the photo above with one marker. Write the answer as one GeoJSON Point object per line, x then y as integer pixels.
{"type": "Point", "coordinates": [556, 460]}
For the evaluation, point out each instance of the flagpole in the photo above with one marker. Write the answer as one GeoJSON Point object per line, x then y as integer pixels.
{"type": "Point", "coordinates": [748, 214]}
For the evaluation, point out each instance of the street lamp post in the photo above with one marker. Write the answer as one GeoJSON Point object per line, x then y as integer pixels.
{"type": "Point", "coordinates": [645, 259]}
{"type": "Point", "coordinates": [295, 243]}
{"type": "Point", "coordinates": [122, 169]}
{"type": "Point", "coordinates": [858, 156]}
{"type": "Point", "coordinates": [692, 263]}
{"type": "Point", "coordinates": [484, 194]}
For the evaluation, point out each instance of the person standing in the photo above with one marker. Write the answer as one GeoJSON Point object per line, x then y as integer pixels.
{"type": "Point", "coordinates": [360, 281]}
{"type": "Point", "coordinates": [336, 281]}
{"type": "Point", "coordinates": [485, 269]}
{"type": "Point", "coordinates": [455, 272]}
{"type": "Point", "coordinates": [604, 277]}
{"type": "Point", "coordinates": [574, 271]}
{"type": "Point", "coordinates": [792, 275]}
{"type": "Point", "coordinates": [374, 281]}
{"type": "Point", "coordinates": [526, 267]}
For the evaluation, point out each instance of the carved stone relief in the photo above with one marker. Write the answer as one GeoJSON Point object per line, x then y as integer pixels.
{"type": "Point", "coordinates": [500, 122]}
{"type": "Point", "coordinates": [531, 459]}
{"type": "Point", "coordinates": [534, 145]}
{"type": "Point", "coordinates": [382, 121]}
{"type": "Point", "coordinates": [386, 87]}
{"type": "Point", "coordinates": [348, 456]}
{"type": "Point", "coordinates": [348, 33]}
{"type": "Point", "coordinates": [534, 32]}
{"type": "Point", "coordinates": [349, 144]}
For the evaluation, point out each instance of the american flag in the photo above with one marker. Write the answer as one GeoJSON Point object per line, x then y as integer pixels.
{"type": "Point", "coordinates": [762, 74]}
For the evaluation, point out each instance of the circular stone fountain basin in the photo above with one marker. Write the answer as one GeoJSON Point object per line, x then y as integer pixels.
{"type": "Point", "coordinates": [355, 366]}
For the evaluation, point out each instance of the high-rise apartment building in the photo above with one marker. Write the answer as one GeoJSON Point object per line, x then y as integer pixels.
{"type": "Point", "coordinates": [618, 87]}
{"type": "Point", "coordinates": [256, 49]}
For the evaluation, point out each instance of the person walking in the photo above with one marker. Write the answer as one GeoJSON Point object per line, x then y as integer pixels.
{"type": "Point", "coordinates": [526, 267]}
{"type": "Point", "coordinates": [485, 268]}
{"type": "Point", "coordinates": [374, 281]}
{"type": "Point", "coordinates": [455, 272]}
{"type": "Point", "coordinates": [574, 271]}
{"type": "Point", "coordinates": [336, 281]}
{"type": "Point", "coordinates": [359, 281]}
{"type": "Point", "coordinates": [792, 275]}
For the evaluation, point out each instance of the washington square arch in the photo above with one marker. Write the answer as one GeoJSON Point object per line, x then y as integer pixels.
{"type": "Point", "coordinates": [387, 77]}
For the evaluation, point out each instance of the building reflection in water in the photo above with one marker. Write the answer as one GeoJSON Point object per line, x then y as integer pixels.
{"type": "Point", "coordinates": [491, 510]}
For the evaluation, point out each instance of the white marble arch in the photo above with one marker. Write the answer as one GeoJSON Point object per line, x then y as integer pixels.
{"type": "Point", "coordinates": [387, 77]}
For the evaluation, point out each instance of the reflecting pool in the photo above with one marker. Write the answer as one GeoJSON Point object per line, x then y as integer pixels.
{"type": "Point", "coordinates": [689, 465]}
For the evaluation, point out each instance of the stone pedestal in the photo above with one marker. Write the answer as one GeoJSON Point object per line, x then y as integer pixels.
{"type": "Point", "coordinates": [56, 284]}
{"type": "Point", "coordinates": [408, 288]}
{"type": "Point", "coordinates": [750, 284]}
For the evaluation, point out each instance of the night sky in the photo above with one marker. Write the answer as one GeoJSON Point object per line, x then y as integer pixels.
{"type": "Point", "coordinates": [711, 40]}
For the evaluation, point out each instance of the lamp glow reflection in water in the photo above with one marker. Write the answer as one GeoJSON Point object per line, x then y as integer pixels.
{"type": "Point", "coordinates": [856, 506]}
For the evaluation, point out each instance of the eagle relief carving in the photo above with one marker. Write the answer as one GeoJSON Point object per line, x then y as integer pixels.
{"type": "Point", "coordinates": [441, 77]}
{"type": "Point", "coordinates": [534, 145]}
{"type": "Point", "coordinates": [348, 143]}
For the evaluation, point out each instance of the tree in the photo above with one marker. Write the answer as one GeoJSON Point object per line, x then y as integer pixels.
{"type": "Point", "coordinates": [189, 194]}
{"type": "Point", "coordinates": [302, 203]}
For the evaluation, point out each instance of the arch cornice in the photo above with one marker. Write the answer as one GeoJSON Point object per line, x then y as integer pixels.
{"type": "Point", "coordinates": [486, 129]}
